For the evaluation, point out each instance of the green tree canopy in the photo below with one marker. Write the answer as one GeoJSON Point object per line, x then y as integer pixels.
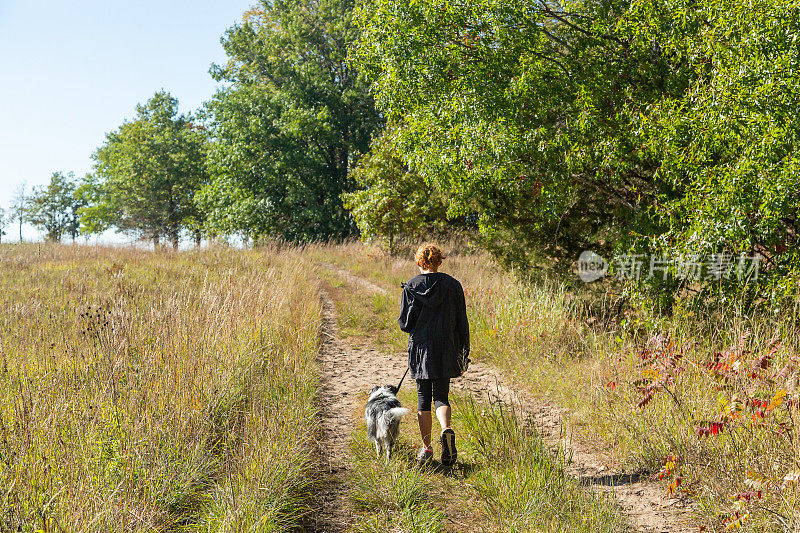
{"type": "Point", "coordinates": [729, 143]}
{"type": "Point", "coordinates": [54, 209]}
{"type": "Point", "coordinates": [148, 173]}
{"type": "Point", "coordinates": [392, 201]}
{"type": "Point", "coordinates": [659, 126]}
{"type": "Point", "coordinates": [291, 124]}
{"type": "Point", "coordinates": [521, 112]}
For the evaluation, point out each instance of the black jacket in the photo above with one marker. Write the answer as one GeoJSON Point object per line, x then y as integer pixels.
{"type": "Point", "coordinates": [434, 312]}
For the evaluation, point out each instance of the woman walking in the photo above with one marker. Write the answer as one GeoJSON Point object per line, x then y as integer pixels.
{"type": "Point", "coordinates": [434, 314]}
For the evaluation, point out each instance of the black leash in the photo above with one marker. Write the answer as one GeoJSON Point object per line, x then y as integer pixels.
{"type": "Point", "coordinates": [401, 379]}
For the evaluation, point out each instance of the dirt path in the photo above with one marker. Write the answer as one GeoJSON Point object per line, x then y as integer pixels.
{"type": "Point", "coordinates": [643, 501]}
{"type": "Point", "coordinates": [352, 278]}
{"type": "Point", "coordinates": [347, 374]}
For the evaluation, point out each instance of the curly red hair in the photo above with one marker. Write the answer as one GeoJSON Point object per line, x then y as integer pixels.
{"type": "Point", "coordinates": [429, 257]}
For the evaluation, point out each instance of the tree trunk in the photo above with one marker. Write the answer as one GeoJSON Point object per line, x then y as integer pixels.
{"type": "Point", "coordinates": [155, 241]}
{"type": "Point", "coordinates": [198, 238]}
{"type": "Point", "coordinates": [20, 229]}
{"type": "Point", "coordinates": [173, 228]}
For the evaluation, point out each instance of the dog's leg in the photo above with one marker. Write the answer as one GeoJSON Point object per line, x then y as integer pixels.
{"type": "Point", "coordinates": [378, 449]}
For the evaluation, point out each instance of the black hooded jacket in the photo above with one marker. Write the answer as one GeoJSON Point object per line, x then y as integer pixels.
{"type": "Point", "coordinates": [433, 311]}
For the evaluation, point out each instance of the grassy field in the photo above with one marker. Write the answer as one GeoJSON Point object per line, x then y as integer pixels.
{"type": "Point", "coordinates": [148, 391]}
{"type": "Point", "coordinates": [157, 391]}
{"type": "Point", "coordinates": [708, 405]}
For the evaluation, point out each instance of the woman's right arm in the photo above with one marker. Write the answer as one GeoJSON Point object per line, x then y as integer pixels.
{"type": "Point", "coordinates": [462, 322]}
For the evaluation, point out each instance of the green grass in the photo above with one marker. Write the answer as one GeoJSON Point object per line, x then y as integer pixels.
{"type": "Point", "coordinates": [505, 480]}
{"type": "Point", "coordinates": [365, 319]}
{"type": "Point", "coordinates": [146, 391]}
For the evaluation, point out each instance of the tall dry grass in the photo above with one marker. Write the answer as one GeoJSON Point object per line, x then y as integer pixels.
{"type": "Point", "coordinates": [154, 391]}
{"type": "Point", "coordinates": [706, 401]}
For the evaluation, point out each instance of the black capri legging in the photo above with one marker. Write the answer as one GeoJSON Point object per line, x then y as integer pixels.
{"type": "Point", "coordinates": [432, 389]}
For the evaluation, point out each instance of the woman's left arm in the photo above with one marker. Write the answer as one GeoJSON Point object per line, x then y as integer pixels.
{"type": "Point", "coordinates": [408, 317]}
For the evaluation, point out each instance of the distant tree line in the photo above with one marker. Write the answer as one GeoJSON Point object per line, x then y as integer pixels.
{"type": "Point", "coordinates": [15, 213]}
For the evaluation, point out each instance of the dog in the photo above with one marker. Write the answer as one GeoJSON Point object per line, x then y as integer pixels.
{"type": "Point", "coordinates": [383, 414]}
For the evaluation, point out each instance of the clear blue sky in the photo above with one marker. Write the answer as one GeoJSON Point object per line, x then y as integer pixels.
{"type": "Point", "coordinates": [72, 71]}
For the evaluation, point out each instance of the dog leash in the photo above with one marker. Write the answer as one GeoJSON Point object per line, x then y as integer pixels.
{"type": "Point", "coordinates": [401, 379]}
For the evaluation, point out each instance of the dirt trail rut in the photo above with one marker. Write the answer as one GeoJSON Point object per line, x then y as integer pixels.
{"type": "Point", "coordinates": [353, 279]}
{"type": "Point", "coordinates": [348, 372]}
{"type": "Point", "coordinates": [643, 501]}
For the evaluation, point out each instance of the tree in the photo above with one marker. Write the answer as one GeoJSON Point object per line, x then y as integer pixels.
{"type": "Point", "coordinates": [148, 173]}
{"type": "Point", "coordinates": [4, 218]}
{"type": "Point", "coordinates": [19, 205]}
{"type": "Point", "coordinates": [54, 208]}
{"type": "Point", "coordinates": [730, 143]}
{"type": "Point", "coordinates": [82, 198]}
{"type": "Point", "coordinates": [524, 113]}
{"type": "Point", "coordinates": [393, 200]}
{"type": "Point", "coordinates": [290, 125]}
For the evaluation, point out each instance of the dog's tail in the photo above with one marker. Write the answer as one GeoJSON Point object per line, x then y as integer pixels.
{"type": "Point", "coordinates": [397, 412]}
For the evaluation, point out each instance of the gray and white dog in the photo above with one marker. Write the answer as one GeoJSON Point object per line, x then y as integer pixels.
{"type": "Point", "coordinates": [383, 415]}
